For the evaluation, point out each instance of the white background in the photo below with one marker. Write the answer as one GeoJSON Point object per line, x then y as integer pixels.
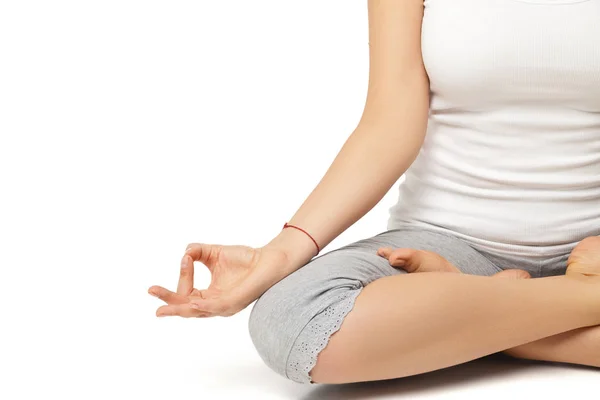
{"type": "Point", "coordinates": [132, 128]}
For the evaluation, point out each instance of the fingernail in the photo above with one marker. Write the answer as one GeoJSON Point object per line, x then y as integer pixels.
{"type": "Point", "coordinates": [184, 262]}
{"type": "Point", "coordinates": [195, 306]}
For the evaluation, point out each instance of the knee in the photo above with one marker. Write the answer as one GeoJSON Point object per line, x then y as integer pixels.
{"type": "Point", "coordinates": [265, 332]}
{"type": "Point", "coordinates": [290, 321]}
{"type": "Point", "coordinates": [289, 330]}
{"type": "Point", "coordinates": [274, 320]}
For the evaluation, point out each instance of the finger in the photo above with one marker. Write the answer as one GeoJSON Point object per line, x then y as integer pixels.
{"type": "Point", "coordinates": [197, 293]}
{"type": "Point", "coordinates": [203, 252]}
{"type": "Point", "coordinates": [214, 306]}
{"type": "Point", "coordinates": [186, 276]}
{"type": "Point", "coordinates": [384, 251]}
{"type": "Point", "coordinates": [167, 296]}
{"type": "Point", "coordinates": [180, 310]}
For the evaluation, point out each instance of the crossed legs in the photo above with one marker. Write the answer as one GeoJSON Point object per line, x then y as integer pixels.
{"type": "Point", "coordinates": [418, 322]}
{"type": "Point", "coordinates": [578, 346]}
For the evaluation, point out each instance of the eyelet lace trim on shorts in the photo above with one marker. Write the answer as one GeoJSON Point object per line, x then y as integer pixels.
{"type": "Point", "coordinates": [315, 336]}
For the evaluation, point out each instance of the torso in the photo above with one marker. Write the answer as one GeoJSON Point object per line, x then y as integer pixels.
{"type": "Point", "coordinates": [511, 159]}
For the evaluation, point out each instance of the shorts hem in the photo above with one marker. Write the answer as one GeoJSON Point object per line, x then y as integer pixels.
{"type": "Point", "coordinates": [316, 335]}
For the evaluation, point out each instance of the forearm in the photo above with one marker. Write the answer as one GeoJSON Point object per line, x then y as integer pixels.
{"type": "Point", "coordinates": [371, 160]}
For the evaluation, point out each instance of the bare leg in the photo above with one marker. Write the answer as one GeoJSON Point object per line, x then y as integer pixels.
{"type": "Point", "coordinates": [578, 346]}
{"type": "Point", "coordinates": [414, 323]}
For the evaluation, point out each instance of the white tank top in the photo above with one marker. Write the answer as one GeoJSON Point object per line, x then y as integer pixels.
{"type": "Point", "coordinates": [511, 158]}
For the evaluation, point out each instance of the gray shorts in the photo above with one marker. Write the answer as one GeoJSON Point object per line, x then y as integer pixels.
{"type": "Point", "coordinates": [293, 320]}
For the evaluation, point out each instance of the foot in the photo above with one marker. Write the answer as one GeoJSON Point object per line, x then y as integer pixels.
{"type": "Point", "coordinates": [585, 258]}
{"type": "Point", "coordinates": [412, 260]}
{"type": "Point", "coordinates": [513, 274]}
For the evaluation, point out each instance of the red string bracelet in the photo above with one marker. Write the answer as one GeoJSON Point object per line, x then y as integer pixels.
{"type": "Point", "coordinates": [286, 225]}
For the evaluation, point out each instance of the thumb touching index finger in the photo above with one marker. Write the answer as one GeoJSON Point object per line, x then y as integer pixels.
{"type": "Point", "coordinates": [203, 252]}
{"type": "Point", "coordinates": [186, 276]}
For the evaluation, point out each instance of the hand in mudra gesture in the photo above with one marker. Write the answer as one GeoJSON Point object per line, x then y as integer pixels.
{"type": "Point", "coordinates": [239, 275]}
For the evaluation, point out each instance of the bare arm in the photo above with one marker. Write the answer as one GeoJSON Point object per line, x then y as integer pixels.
{"type": "Point", "coordinates": [385, 142]}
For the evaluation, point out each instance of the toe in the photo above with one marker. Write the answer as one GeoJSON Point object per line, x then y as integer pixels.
{"type": "Point", "coordinates": [404, 258]}
{"type": "Point", "coordinates": [412, 260]}
{"type": "Point", "coordinates": [513, 274]}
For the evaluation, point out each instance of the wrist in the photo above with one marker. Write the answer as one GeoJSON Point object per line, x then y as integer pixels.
{"type": "Point", "coordinates": [297, 246]}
